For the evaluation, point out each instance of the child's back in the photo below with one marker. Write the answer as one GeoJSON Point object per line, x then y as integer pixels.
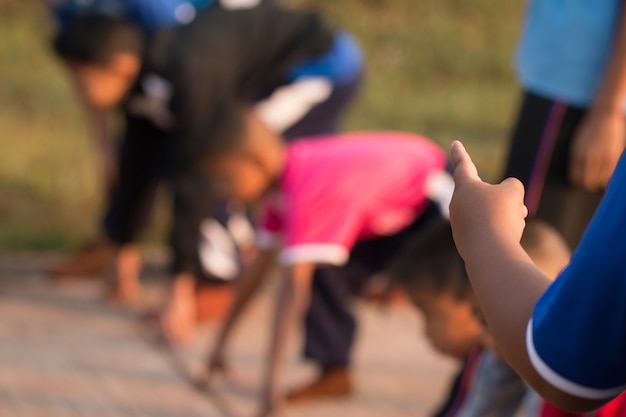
{"type": "Point", "coordinates": [345, 202]}
{"type": "Point", "coordinates": [352, 187]}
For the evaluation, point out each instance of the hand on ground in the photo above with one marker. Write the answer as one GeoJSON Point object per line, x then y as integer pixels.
{"type": "Point", "coordinates": [125, 288]}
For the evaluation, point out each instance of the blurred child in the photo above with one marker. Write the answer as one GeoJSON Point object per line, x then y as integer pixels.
{"type": "Point", "coordinates": [566, 338]}
{"type": "Point", "coordinates": [433, 275]}
{"type": "Point", "coordinates": [149, 16]}
{"type": "Point", "coordinates": [338, 208]}
{"type": "Point", "coordinates": [299, 74]}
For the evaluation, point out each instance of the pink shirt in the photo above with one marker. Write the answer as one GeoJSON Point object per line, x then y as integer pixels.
{"type": "Point", "coordinates": [337, 190]}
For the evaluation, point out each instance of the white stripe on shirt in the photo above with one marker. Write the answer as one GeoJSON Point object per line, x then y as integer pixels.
{"type": "Point", "coordinates": [558, 381]}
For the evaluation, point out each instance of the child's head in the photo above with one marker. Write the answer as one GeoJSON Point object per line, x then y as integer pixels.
{"type": "Point", "coordinates": [432, 274]}
{"type": "Point", "coordinates": [104, 56]}
{"type": "Point", "coordinates": [241, 155]}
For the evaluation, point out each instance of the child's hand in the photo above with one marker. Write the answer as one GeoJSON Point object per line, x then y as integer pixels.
{"type": "Point", "coordinates": [597, 147]}
{"type": "Point", "coordinates": [481, 211]}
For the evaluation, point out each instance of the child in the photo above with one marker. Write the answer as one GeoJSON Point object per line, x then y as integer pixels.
{"type": "Point", "coordinates": [148, 15]}
{"type": "Point", "coordinates": [565, 339]}
{"type": "Point", "coordinates": [570, 130]}
{"type": "Point", "coordinates": [550, 254]}
{"type": "Point", "coordinates": [342, 206]}
{"type": "Point", "coordinates": [433, 275]}
{"type": "Point", "coordinates": [300, 74]}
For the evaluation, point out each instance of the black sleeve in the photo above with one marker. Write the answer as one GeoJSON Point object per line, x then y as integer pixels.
{"type": "Point", "coordinates": [140, 167]}
{"type": "Point", "coordinates": [276, 39]}
{"type": "Point", "coordinates": [192, 203]}
{"type": "Point", "coordinates": [238, 54]}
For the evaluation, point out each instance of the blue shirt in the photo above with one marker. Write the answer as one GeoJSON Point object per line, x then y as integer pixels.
{"type": "Point", "coordinates": [341, 64]}
{"type": "Point", "coordinates": [565, 46]}
{"type": "Point", "coordinates": [577, 337]}
{"type": "Point", "coordinates": [148, 14]}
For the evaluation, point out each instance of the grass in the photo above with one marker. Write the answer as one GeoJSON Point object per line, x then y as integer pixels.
{"type": "Point", "coordinates": [442, 68]}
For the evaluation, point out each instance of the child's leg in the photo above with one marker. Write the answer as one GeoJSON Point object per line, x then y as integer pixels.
{"type": "Point", "coordinates": [329, 331]}
{"type": "Point", "coordinates": [330, 324]}
{"type": "Point", "coordinates": [132, 201]}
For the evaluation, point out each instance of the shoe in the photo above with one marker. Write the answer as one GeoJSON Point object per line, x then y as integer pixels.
{"type": "Point", "coordinates": [332, 383]}
{"type": "Point", "coordinates": [90, 260]}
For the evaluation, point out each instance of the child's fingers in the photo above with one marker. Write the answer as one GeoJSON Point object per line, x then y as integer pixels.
{"type": "Point", "coordinates": [464, 168]}
{"type": "Point", "coordinates": [516, 188]}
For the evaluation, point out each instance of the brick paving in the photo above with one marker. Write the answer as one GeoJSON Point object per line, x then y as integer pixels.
{"type": "Point", "coordinates": [65, 353]}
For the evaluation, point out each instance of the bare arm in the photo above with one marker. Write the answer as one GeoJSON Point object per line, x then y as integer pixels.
{"type": "Point", "coordinates": [105, 145]}
{"type": "Point", "coordinates": [601, 137]}
{"type": "Point", "coordinates": [99, 123]}
{"type": "Point", "coordinates": [293, 299]}
{"type": "Point", "coordinates": [487, 222]}
{"type": "Point", "coordinates": [248, 285]}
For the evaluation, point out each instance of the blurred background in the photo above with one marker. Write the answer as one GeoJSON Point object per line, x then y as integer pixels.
{"type": "Point", "coordinates": [442, 68]}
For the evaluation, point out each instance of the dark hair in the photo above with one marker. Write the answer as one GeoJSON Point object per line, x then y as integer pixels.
{"type": "Point", "coordinates": [93, 39]}
{"type": "Point", "coordinates": [431, 262]}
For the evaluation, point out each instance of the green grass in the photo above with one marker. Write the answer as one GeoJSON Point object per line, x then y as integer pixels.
{"type": "Point", "coordinates": [442, 68]}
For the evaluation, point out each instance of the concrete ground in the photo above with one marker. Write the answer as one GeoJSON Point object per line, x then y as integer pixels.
{"type": "Point", "coordinates": [65, 353]}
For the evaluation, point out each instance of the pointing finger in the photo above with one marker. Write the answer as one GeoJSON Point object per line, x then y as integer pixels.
{"type": "Point", "coordinates": [464, 168]}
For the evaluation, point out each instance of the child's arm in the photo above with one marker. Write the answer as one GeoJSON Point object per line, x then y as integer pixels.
{"type": "Point", "coordinates": [487, 222]}
{"type": "Point", "coordinates": [293, 299]}
{"type": "Point", "coordinates": [106, 146]}
{"type": "Point", "coordinates": [600, 139]}
{"type": "Point", "coordinates": [247, 286]}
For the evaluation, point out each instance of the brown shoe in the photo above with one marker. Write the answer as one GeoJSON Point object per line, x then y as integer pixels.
{"type": "Point", "coordinates": [89, 261]}
{"type": "Point", "coordinates": [332, 383]}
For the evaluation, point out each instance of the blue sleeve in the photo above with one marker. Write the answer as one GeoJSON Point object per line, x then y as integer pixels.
{"type": "Point", "coordinates": [341, 64]}
{"type": "Point", "coordinates": [577, 337]}
{"type": "Point", "coordinates": [155, 14]}
{"type": "Point", "coordinates": [148, 14]}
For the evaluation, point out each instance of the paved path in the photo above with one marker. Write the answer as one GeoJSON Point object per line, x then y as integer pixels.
{"type": "Point", "coordinates": [65, 353]}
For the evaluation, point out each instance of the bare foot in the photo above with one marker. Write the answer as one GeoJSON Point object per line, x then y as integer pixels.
{"type": "Point", "coordinates": [178, 317]}
{"type": "Point", "coordinates": [125, 288]}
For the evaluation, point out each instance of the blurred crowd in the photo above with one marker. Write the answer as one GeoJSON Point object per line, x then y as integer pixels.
{"type": "Point", "coordinates": [237, 106]}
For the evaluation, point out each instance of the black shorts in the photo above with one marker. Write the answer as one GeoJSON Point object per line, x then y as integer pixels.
{"type": "Point", "coordinates": [539, 157]}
